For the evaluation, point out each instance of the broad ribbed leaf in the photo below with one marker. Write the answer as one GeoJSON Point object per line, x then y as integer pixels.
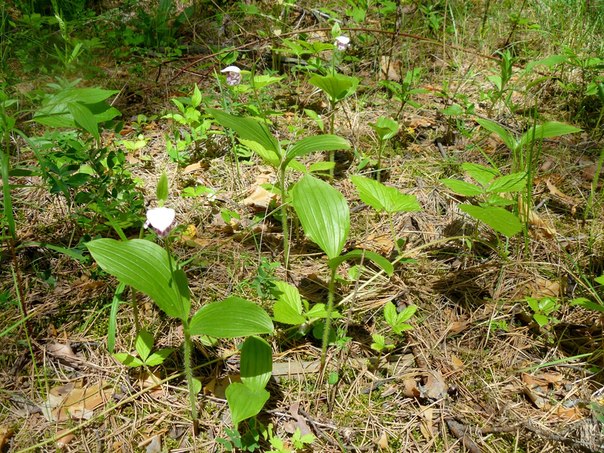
{"type": "Point", "coordinates": [288, 307]}
{"type": "Point", "coordinates": [144, 344]}
{"type": "Point", "coordinates": [316, 143]}
{"type": "Point", "coordinates": [247, 129]}
{"type": "Point", "coordinates": [499, 219]}
{"type": "Point", "coordinates": [84, 118]}
{"type": "Point", "coordinates": [385, 128]}
{"type": "Point", "coordinates": [503, 133]}
{"type": "Point", "coordinates": [231, 318]}
{"type": "Point", "coordinates": [161, 192]}
{"type": "Point", "coordinates": [463, 188]}
{"type": "Point", "coordinates": [270, 157]}
{"type": "Point", "coordinates": [547, 130]}
{"type": "Point", "coordinates": [145, 266]}
{"type": "Point", "coordinates": [323, 213]}
{"type": "Point", "coordinates": [366, 255]}
{"type": "Point", "coordinates": [244, 402]}
{"type": "Point", "coordinates": [482, 174]}
{"type": "Point", "coordinates": [256, 363]}
{"type": "Point", "coordinates": [514, 182]}
{"type": "Point", "coordinates": [384, 198]}
{"type": "Point", "coordinates": [336, 86]}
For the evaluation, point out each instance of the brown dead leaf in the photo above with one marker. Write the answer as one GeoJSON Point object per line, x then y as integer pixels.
{"type": "Point", "coordinates": [189, 237]}
{"type": "Point", "coordinates": [456, 362]}
{"type": "Point", "coordinates": [217, 387]}
{"type": "Point", "coordinates": [410, 388]}
{"type": "Point", "coordinates": [382, 442]}
{"type": "Point", "coordinates": [427, 426]}
{"type": "Point", "coordinates": [5, 435]}
{"type": "Point", "coordinates": [545, 288]}
{"type": "Point", "coordinates": [569, 413]}
{"type": "Point", "coordinates": [60, 350]}
{"type": "Point", "coordinates": [456, 327]}
{"type": "Point", "coordinates": [64, 439]}
{"type": "Point", "coordinates": [390, 69]}
{"type": "Point", "coordinates": [298, 422]}
{"type": "Point", "coordinates": [150, 381]}
{"type": "Point", "coordinates": [74, 401]}
{"type": "Point", "coordinates": [435, 387]}
{"type": "Point", "coordinates": [194, 167]}
{"type": "Point", "coordinates": [542, 380]}
{"type": "Point", "coordinates": [259, 199]}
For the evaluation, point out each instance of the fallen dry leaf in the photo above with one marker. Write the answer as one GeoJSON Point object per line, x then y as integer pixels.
{"type": "Point", "coordinates": [60, 350]}
{"type": "Point", "coordinates": [382, 442]}
{"type": "Point", "coordinates": [259, 199]}
{"type": "Point", "coordinates": [456, 327]}
{"type": "Point", "coordinates": [570, 413]}
{"type": "Point", "coordinates": [456, 362]}
{"type": "Point", "coordinates": [64, 439]}
{"type": "Point", "coordinates": [298, 422]}
{"type": "Point", "coordinates": [5, 435]}
{"type": "Point", "coordinates": [426, 426]}
{"type": "Point", "coordinates": [72, 401]}
{"type": "Point", "coordinates": [410, 388]}
{"type": "Point", "coordinates": [154, 445]}
{"type": "Point", "coordinates": [435, 387]}
{"type": "Point", "coordinates": [390, 69]}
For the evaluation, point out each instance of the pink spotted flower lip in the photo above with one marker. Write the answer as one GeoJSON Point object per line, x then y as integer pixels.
{"type": "Point", "coordinates": [233, 75]}
{"type": "Point", "coordinates": [342, 43]}
{"type": "Point", "coordinates": [161, 220]}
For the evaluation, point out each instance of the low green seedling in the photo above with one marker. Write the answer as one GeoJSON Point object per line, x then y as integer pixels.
{"type": "Point", "coordinates": [385, 129]}
{"type": "Point", "coordinates": [257, 137]}
{"type": "Point", "coordinates": [398, 321]}
{"type": "Point", "coordinates": [291, 309]}
{"type": "Point", "coordinates": [542, 309]}
{"type": "Point", "coordinates": [336, 87]}
{"type": "Point", "coordinates": [191, 129]}
{"type": "Point", "coordinates": [146, 356]}
{"type": "Point", "coordinates": [297, 441]}
{"type": "Point", "coordinates": [386, 199]}
{"type": "Point", "coordinates": [488, 192]}
{"type": "Point", "coordinates": [325, 218]}
{"type": "Point", "coordinates": [379, 343]}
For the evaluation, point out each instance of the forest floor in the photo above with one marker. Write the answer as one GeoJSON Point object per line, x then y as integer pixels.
{"type": "Point", "coordinates": [476, 372]}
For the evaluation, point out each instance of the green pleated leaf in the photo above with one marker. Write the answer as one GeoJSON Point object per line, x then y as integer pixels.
{"type": "Point", "coordinates": [514, 182]}
{"type": "Point", "coordinates": [288, 307]}
{"type": "Point", "coordinates": [231, 318]}
{"type": "Point", "coordinates": [364, 254]}
{"type": "Point", "coordinates": [316, 143]}
{"type": "Point", "coordinates": [256, 363]}
{"type": "Point", "coordinates": [245, 402]}
{"type": "Point", "coordinates": [499, 219]}
{"type": "Point", "coordinates": [384, 198]}
{"type": "Point", "coordinates": [336, 86]}
{"type": "Point", "coordinates": [247, 129]}
{"type": "Point", "coordinates": [323, 213]}
{"type": "Point", "coordinates": [144, 344]}
{"type": "Point", "coordinates": [502, 132]}
{"type": "Point", "coordinates": [463, 188]}
{"type": "Point", "coordinates": [547, 130]}
{"type": "Point", "coordinates": [161, 192]}
{"type": "Point", "coordinates": [84, 118]}
{"type": "Point", "coordinates": [145, 266]}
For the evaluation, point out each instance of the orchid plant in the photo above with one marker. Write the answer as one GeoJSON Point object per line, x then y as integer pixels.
{"type": "Point", "coordinates": [257, 137]}
{"type": "Point", "coordinates": [152, 270]}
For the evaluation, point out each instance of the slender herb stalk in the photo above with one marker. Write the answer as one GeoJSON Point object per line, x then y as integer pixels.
{"type": "Point", "coordinates": [327, 327]}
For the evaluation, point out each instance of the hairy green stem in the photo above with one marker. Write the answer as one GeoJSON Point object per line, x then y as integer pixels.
{"type": "Point", "coordinates": [332, 154]}
{"type": "Point", "coordinates": [327, 327]}
{"type": "Point", "coordinates": [188, 348]}
{"type": "Point", "coordinates": [284, 217]}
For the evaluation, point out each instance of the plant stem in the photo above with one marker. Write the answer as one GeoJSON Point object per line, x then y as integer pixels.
{"type": "Point", "coordinates": [284, 217]}
{"type": "Point", "coordinates": [188, 347]}
{"type": "Point", "coordinates": [327, 327]}
{"type": "Point", "coordinates": [379, 161]}
{"type": "Point", "coordinates": [332, 154]}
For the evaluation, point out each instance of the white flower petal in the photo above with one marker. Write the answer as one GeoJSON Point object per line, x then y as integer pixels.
{"type": "Point", "coordinates": [231, 69]}
{"type": "Point", "coordinates": [160, 219]}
